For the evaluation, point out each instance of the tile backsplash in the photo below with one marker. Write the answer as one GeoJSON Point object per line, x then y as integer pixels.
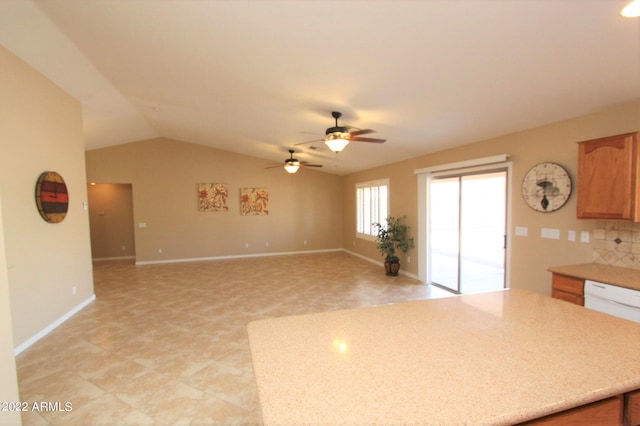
{"type": "Point", "coordinates": [617, 243]}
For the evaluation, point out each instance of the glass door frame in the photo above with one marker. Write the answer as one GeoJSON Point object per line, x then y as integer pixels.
{"type": "Point", "coordinates": [461, 226]}
{"type": "Point", "coordinates": [425, 176]}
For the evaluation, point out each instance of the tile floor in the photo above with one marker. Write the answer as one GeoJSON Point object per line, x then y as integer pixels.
{"type": "Point", "coordinates": [167, 344]}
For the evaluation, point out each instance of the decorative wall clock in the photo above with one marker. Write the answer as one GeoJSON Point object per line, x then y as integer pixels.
{"type": "Point", "coordinates": [546, 187]}
{"type": "Point", "coordinates": [52, 198]}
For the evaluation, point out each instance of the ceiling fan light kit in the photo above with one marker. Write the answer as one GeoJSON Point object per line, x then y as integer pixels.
{"type": "Point", "coordinates": [338, 137]}
{"type": "Point", "coordinates": [632, 10]}
{"type": "Point", "coordinates": [292, 166]}
{"type": "Point", "coordinates": [336, 141]}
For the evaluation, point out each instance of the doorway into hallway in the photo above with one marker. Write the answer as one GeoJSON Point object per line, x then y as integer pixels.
{"type": "Point", "coordinates": [111, 222]}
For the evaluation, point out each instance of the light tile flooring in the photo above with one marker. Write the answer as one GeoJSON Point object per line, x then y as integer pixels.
{"type": "Point", "coordinates": [167, 344]}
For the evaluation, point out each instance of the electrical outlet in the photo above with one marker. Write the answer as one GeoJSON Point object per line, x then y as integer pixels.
{"type": "Point", "coordinates": [584, 236]}
{"type": "Point", "coordinates": [522, 231]}
{"type": "Point", "coordinates": [571, 236]}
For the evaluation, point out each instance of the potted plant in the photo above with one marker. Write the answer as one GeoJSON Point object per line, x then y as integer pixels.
{"type": "Point", "coordinates": [392, 238]}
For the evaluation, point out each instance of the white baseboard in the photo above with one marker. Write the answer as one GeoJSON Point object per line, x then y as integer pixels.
{"type": "Point", "coordinates": [39, 335]}
{"type": "Point", "coordinates": [48, 329]}
{"type": "Point", "coordinates": [368, 259]}
{"type": "Point", "coordinates": [106, 259]}
{"type": "Point", "coordinates": [288, 253]}
{"type": "Point", "coordinates": [377, 262]}
{"type": "Point", "coordinates": [240, 256]}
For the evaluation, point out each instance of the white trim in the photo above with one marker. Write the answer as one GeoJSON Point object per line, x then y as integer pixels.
{"type": "Point", "coordinates": [106, 259]}
{"type": "Point", "coordinates": [424, 178]}
{"type": "Point", "coordinates": [240, 256]}
{"type": "Point", "coordinates": [48, 329]}
{"type": "Point", "coordinates": [204, 259]}
{"type": "Point", "coordinates": [510, 192]}
{"type": "Point", "coordinates": [468, 170]}
{"type": "Point", "coordinates": [464, 164]}
{"type": "Point", "coordinates": [423, 226]}
{"type": "Point", "coordinates": [377, 262]}
{"type": "Point", "coordinates": [377, 182]}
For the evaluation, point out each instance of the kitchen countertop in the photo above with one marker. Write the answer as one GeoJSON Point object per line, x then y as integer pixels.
{"type": "Point", "coordinates": [616, 275]}
{"type": "Point", "coordinates": [492, 358]}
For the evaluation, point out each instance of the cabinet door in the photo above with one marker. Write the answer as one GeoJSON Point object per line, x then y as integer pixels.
{"type": "Point", "coordinates": [607, 412]}
{"type": "Point", "coordinates": [607, 178]}
{"type": "Point", "coordinates": [569, 289]}
{"type": "Point", "coordinates": [568, 297]}
{"type": "Point", "coordinates": [632, 408]}
{"type": "Point", "coordinates": [569, 284]}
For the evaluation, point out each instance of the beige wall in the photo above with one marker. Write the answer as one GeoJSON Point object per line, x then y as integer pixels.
{"type": "Point", "coordinates": [111, 220]}
{"type": "Point", "coordinates": [41, 130]}
{"type": "Point", "coordinates": [9, 382]}
{"type": "Point", "coordinates": [311, 205]}
{"type": "Point", "coordinates": [165, 173]}
{"type": "Point", "coordinates": [530, 256]}
{"type": "Point", "coordinates": [40, 263]}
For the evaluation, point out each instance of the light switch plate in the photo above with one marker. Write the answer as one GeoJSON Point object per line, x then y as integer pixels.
{"type": "Point", "coordinates": [584, 236]}
{"type": "Point", "coordinates": [550, 233]}
{"type": "Point", "coordinates": [522, 231]}
{"type": "Point", "coordinates": [571, 236]}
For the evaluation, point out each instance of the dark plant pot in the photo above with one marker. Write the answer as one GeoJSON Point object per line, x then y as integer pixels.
{"type": "Point", "coordinates": [392, 267]}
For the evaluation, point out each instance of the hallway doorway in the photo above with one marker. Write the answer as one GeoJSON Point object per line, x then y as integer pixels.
{"type": "Point", "coordinates": [111, 221]}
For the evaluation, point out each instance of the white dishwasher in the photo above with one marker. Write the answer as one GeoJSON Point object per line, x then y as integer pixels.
{"type": "Point", "coordinates": [613, 300]}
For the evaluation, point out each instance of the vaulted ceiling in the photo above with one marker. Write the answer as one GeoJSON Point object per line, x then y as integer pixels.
{"type": "Point", "coordinates": [258, 77]}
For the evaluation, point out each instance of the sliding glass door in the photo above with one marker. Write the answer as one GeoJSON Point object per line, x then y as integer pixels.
{"type": "Point", "coordinates": [467, 216]}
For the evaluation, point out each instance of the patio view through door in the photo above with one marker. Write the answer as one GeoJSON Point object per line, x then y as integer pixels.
{"type": "Point", "coordinates": [467, 232]}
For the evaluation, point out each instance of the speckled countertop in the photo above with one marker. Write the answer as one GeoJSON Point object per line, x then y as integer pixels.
{"type": "Point", "coordinates": [616, 275]}
{"type": "Point", "coordinates": [492, 358]}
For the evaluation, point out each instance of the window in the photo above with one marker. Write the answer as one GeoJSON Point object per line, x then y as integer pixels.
{"type": "Point", "coordinates": [372, 199]}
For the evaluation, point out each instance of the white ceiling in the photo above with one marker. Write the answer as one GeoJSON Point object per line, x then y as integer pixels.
{"type": "Point", "coordinates": [253, 76]}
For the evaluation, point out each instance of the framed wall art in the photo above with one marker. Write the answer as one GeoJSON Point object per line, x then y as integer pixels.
{"type": "Point", "coordinates": [212, 197]}
{"type": "Point", "coordinates": [254, 201]}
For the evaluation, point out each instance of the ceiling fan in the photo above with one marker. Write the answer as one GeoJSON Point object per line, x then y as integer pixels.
{"type": "Point", "coordinates": [292, 165]}
{"type": "Point", "coordinates": [338, 137]}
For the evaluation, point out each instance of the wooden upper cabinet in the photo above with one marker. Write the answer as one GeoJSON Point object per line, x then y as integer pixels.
{"type": "Point", "coordinates": [608, 178]}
